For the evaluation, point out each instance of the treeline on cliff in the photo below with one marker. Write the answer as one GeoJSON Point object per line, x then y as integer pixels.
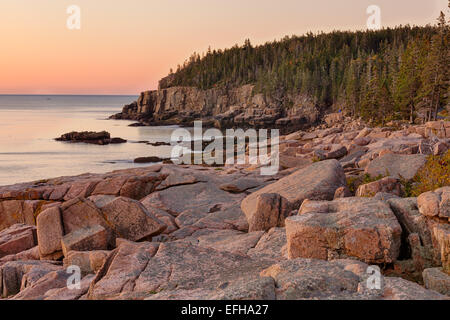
{"type": "Point", "coordinates": [380, 75]}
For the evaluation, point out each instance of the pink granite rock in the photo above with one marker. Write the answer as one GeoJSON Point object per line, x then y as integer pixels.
{"type": "Point", "coordinates": [351, 227]}
{"type": "Point", "coordinates": [16, 239]}
{"type": "Point", "coordinates": [49, 231]}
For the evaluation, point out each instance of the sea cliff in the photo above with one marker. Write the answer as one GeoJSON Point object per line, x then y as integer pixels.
{"type": "Point", "coordinates": [222, 108]}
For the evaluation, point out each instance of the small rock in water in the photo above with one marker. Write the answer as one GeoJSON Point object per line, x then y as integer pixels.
{"type": "Point", "coordinates": [148, 159]}
{"type": "Point", "coordinates": [100, 138]}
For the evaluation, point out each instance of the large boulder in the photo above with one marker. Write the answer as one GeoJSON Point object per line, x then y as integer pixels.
{"type": "Point", "coordinates": [385, 185]}
{"type": "Point", "coordinates": [271, 211]}
{"type": "Point", "coordinates": [435, 204]}
{"type": "Point", "coordinates": [351, 227]}
{"type": "Point", "coordinates": [50, 232]}
{"type": "Point", "coordinates": [318, 181]}
{"type": "Point", "coordinates": [396, 165]}
{"type": "Point", "coordinates": [85, 239]}
{"type": "Point", "coordinates": [80, 213]}
{"type": "Point", "coordinates": [131, 220]}
{"type": "Point", "coordinates": [16, 239]}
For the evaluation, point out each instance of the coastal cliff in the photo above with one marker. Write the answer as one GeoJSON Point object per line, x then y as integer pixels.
{"type": "Point", "coordinates": [221, 108]}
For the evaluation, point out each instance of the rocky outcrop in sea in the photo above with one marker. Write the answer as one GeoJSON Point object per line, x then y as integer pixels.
{"type": "Point", "coordinates": [100, 138]}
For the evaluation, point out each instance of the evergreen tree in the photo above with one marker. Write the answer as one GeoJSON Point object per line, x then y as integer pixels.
{"type": "Point", "coordinates": [435, 74]}
{"type": "Point", "coordinates": [409, 81]}
{"type": "Point", "coordinates": [379, 75]}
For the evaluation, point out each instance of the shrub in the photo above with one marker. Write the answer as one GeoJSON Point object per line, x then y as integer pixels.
{"type": "Point", "coordinates": [435, 174]}
{"type": "Point", "coordinates": [352, 184]}
{"type": "Point", "coordinates": [368, 179]}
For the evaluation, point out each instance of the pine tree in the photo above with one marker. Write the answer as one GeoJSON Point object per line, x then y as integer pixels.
{"type": "Point", "coordinates": [435, 75]}
{"type": "Point", "coordinates": [408, 81]}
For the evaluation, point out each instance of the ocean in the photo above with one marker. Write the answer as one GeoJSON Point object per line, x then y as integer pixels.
{"type": "Point", "coordinates": [29, 124]}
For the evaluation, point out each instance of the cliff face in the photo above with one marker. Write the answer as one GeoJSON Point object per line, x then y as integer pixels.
{"type": "Point", "coordinates": [221, 108]}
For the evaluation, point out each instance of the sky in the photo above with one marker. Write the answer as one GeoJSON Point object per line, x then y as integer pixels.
{"type": "Point", "coordinates": [125, 47]}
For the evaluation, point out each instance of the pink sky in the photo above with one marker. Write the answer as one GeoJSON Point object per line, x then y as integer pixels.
{"type": "Point", "coordinates": [125, 47]}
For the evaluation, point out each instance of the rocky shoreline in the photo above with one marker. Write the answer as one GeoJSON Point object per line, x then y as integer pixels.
{"type": "Point", "coordinates": [336, 209]}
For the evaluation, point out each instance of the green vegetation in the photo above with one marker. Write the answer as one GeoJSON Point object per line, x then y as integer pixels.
{"type": "Point", "coordinates": [435, 174]}
{"type": "Point", "coordinates": [352, 184]}
{"type": "Point", "coordinates": [379, 75]}
{"type": "Point", "coordinates": [367, 178]}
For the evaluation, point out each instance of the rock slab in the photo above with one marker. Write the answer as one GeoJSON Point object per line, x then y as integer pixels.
{"type": "Point", "coordinates": [318, 181]}
{"type": "Point", "coordinates": [350, 227]}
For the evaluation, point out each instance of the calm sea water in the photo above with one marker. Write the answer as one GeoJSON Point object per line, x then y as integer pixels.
{"type": "Point", "coordinates": [29, 124]}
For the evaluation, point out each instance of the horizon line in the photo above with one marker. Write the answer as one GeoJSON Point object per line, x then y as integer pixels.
{"type": "Point", "coordinates": [65, 94]}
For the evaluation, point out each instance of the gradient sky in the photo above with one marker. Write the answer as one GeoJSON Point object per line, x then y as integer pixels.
{"type": "Point", "coordinates": [125, 47]}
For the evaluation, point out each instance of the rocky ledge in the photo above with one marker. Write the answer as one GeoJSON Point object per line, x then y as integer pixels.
{"type": "Point", "coordinates": [198, 232]}
{"type": "Point", "coordinates": [221, 108]}
{"type": "Point", "coordinates": [100, 138]}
